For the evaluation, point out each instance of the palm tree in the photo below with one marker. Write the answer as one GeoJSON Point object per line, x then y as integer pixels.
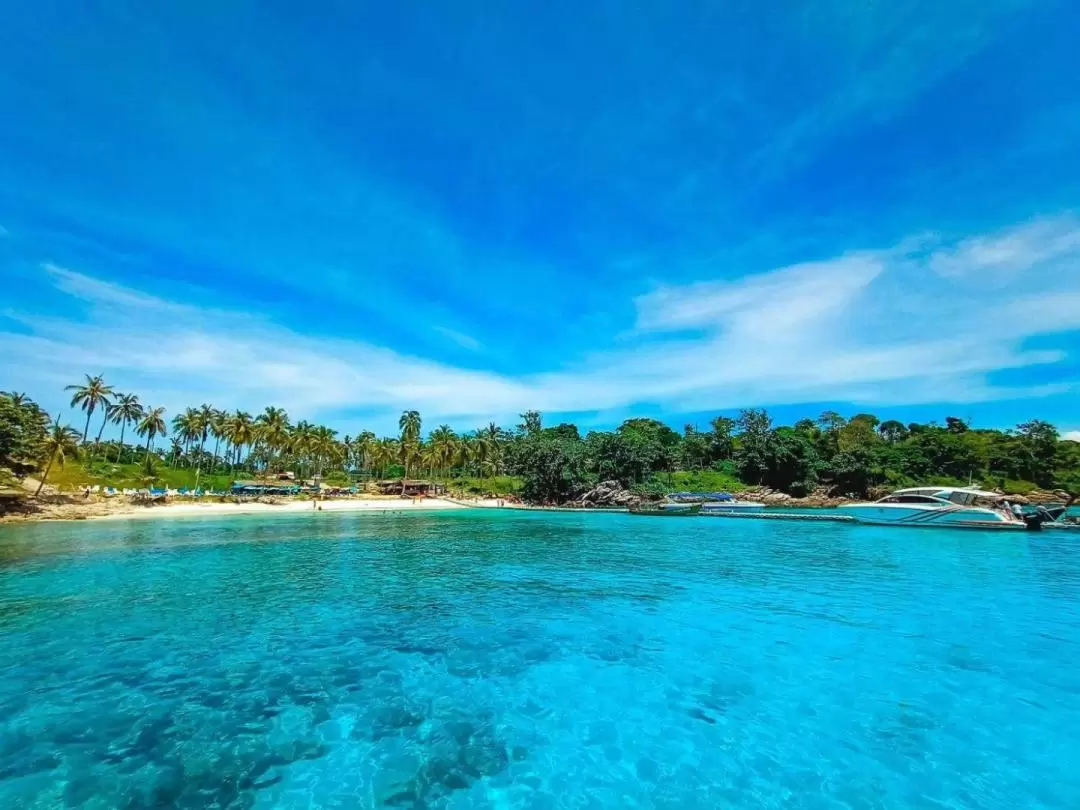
{"type": "Point", "coordinates": [218, 422]}
{"type": "Point", "coordinates": [301, 444]}
{"type": "Point", "coordinates": [241, 431]}
{"type": "Point", "coordinates": [89, 396]}
{"type": "Point", "coordinates": [409, 453]}
{"type": "Point", "coordinates": [17, 399]}
{"type": "Point", "coordinates": [410, 423]}
{"type": "Point", "coordinates": [481, 449]}
{"type": "Point", "coordinates": [59, 443]}
{"type": "Point", "coordinates": [363, 447]}
{"type": "Point", "coordinates": [176, 449]}
{"type": "Point", "coordinates": [325, 448]}
{"type": "Point", "coordinates": [443, 442]}
{"type": "Point", "coordinates": [125, 409]}
{"type": "Point", "coordinates": [495, 437]}
{"type": "Point", "coordinates": [186, 427]}
{"type": "Point", "coordinates": [206, 416]}
{"type": "Point", "coordinates": [409, 448]}
{"type": "Point", "coordinates": [151, 425]}
{"type": "Point", "coordinates": [273, 431]}
{"type": "Point", "coordinates": [383, 452]}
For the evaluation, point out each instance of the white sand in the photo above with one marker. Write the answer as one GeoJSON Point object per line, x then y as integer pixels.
{"type": "Point", "coordinates": [343, 505]}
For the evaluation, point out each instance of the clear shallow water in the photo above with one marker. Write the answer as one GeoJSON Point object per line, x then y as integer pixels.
{"type": "Point", "coordinates": [504, 660]}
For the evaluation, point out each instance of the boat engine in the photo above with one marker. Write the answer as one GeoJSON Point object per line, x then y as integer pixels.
{"type": "Point", "coordinates": [1034, 520]}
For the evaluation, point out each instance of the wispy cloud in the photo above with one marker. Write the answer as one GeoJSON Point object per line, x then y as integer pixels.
{"type": "Point", "coordinates": [460, 338]}
{"type": "Point", "coordinates": [876, 327]}
{"type": "Point", "coordinates": [1072, 436]}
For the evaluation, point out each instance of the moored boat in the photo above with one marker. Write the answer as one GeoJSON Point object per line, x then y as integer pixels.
{"type": "Point", "coordinates": [723, 503]}
{"type": "Point", "coordinates": [954, 507]}
{"type": "Point", "coordinates": [667, 509]}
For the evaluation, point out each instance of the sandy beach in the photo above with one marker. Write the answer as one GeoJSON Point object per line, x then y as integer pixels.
{"type": "Point", "coordinates": [123, 509]}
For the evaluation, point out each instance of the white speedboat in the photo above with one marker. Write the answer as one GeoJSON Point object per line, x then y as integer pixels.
{"type": "Point", "coordinates": [957, 507]}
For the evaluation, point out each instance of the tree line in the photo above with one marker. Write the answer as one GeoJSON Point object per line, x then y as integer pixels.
{"type": "Point", "coordinates": [555, 464]}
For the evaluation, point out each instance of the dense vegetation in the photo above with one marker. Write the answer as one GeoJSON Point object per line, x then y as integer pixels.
{"type": "Point", "coordinates": [545, 464]}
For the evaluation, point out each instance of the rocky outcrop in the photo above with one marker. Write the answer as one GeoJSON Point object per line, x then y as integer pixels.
{"type": "Point", "coordinates": [609, 493]}
{"type": "Point", "coordinates": [1047, 496]}
{"type": "Point", "coordinates": [819, 498]}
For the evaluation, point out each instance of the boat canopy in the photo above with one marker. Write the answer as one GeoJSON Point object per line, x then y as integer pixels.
{"type": "Point", "coordinates": [701, 496]}
{"type": "Point", "coordinates": [964, 496]}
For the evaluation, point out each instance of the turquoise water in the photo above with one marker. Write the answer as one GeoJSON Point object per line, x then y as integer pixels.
{"type": "Point", "coordinates": [514, 660]}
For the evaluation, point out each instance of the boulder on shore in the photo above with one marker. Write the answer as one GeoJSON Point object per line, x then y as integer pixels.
{"type": "Point", "coordinates": [818, 498]}
{"type": "Point", "coordinates": [609, 493]}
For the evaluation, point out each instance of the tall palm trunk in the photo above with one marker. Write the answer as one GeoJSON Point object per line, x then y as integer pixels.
{"type": "Point", "coordinates": [104, 421]}
{"type": "Point", "coordinates": [149, 438]}
{"type": "Point", "coordinates": [86, 429]}
{"type": "Point", "coordinates": [217, 441]}
{"type": "Point", "coordinates": [120, 450]}
{"type": "Point", "coordinates": [45, 475]}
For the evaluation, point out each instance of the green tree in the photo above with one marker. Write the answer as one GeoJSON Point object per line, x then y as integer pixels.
{"type": "Point", "coordinates": [151, 426]}
{"type": "Point", "coordinates": [554, 469]}
{"type": "Point", "coordinates": [892, 431]}
{"type": "Point", "coordinates": [1039, 442]}
{"type": "Point", "coordinates": [694, 450]}
{"type": "Point", "coordinates": [531, 423]}
{"type": "Point", "coordinates": [60, 442]}
{"type": "Point", "coordinates": [90, 396]}
{"type": "Point", "coordinates": [722, 441]}
{"type": "Point", "coordinates": [754, 452]}
{"type": "Point", "coordinates": [125, 409]}
{"type": "Point", "coordinates": [23, 427]}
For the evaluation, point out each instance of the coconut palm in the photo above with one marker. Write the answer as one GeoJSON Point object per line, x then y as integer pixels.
{"type": "Point", "coordinates": [273, 431]}
{"type": "Point", "coordinates": [482, 451]}
{"type": "Point", "coordinates": [241, 429]}
{"type": "Point", "coordinates": [18, 399]}
{"type": "Point", "coordinates": [186, 426]}
{"type": "Point", "coordinates": [206, 416]}
{"type": "Point", "coordinates": [125, 409]}
{"type": "Point", "coordinates": [302, 444]}
{"type": "Point", "coordinates": [89, 396]}
{"type": "Point", "coordinates": [363, 445]}
{"type": "Point", "coordinates": [410, 424]}
{"type": "Point", "coordinates": [60, 442]}
{"type": "Point", "coordinates": [408, 454]}
{"type": "Point", "coordinates": [383, 452]}
{"type": "Point", "coordinates": [496, 438]}
{"type": "Point", "coordinates": [151, 426]}
{"type": "Point", "coordinates": [218, 421]}
{"type": "Point", "coordinates": [325, 448]}
{"type": "Point", "coordinates": [443, 442]}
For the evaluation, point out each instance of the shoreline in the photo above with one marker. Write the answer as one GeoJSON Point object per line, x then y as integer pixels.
{"type": "Point", "coordinates": [125, 510]}
{"type": "Point", "coordinates": [74, 509]}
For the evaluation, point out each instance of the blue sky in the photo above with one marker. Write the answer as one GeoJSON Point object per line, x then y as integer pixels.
{"type": "Point", "coordinates": [676, 209]}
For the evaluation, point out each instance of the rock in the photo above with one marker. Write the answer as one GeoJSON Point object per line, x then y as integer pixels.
{"type": "Point", "coordinates": [609, 493]}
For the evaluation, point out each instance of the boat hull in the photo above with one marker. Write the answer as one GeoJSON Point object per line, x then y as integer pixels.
{"type": "Point", "coordinates": [669, 510]}
{"type": "Point", "coordinates": [731, 508]}
{"type": "Point", "coordinates": [955, 517]}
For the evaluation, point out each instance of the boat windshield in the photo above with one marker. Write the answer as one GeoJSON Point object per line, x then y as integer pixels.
{"type": "Point", "coordinates": [912, 499]}
{"type": "Point", "coordinates": [969, 498]}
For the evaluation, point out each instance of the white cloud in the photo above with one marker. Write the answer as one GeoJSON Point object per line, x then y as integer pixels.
{"type": "Point", "coordinates": [1072, 436]}
{"type": "Point", "coordinates": [1004, 255]}
{"type": "Point", "coordinates": [873, 327]}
